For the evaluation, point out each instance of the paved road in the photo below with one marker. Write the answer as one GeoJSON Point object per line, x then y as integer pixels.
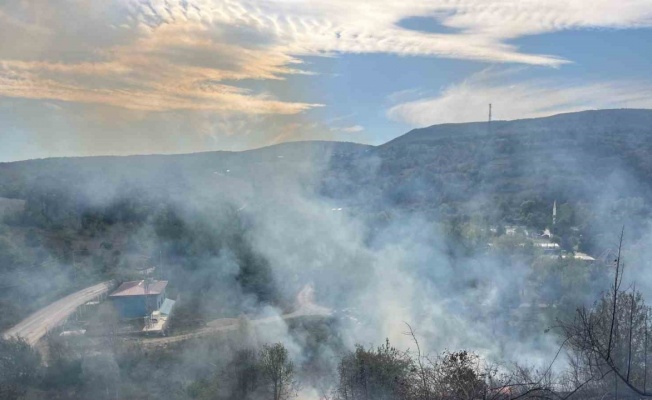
{"type": "Point", "coordinates": [34, 327]}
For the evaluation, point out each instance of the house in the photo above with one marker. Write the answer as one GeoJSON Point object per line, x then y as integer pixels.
{"type": "Point", "coordinates": [137, 299]}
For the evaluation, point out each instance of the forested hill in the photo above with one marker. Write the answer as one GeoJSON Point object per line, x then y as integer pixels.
{"type": "Point", "coordinates": [509, 171]}
{"type": "Point", "coordinates": [516, 169]}
{"type": "Point", "coordinates": [578, 123]}
{"type": "Point", "coordinates": [84, 218]}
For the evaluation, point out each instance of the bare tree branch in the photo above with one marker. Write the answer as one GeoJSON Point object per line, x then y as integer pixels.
{"type": "Point", "coordinates": [615, 294]}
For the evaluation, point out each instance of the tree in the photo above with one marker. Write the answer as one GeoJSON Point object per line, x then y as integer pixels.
{"type": "Point", "coordinates": [378, 374]}
{"type": "Point", "coordinates": [64, 364]}
{"type": "Point", "coordinates": [277, 371]}
{"type": "Point", "coordinates": [458, 375]}
{"type": "Point", "coordinates": [204, 389]}
{"type": "Point", "coordinates": [244, 373]}
{"type": "Point", "coordinates": [611, 338]}
{"type": "Point", "coordinates": [19, 367]}
{"type": "Point", "coordinates": [101, 375]}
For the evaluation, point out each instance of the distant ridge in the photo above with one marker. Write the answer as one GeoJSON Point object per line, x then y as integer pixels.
{"type": "Point", "coordinates": [584, 121]}
{"type": "Point", "coordinates": [444, 169]}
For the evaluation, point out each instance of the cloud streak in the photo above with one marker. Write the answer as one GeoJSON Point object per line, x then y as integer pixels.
{"type": "Point", "coordinates": [162, 55]}
{"type": "Point", "coordinates": [514, 98]}
{"type": "Point", "coordinates": [179, 66]}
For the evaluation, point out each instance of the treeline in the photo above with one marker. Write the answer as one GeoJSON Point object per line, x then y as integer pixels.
{"type": "Point", "coordinates": [65, 237]}
{"type": "Point", "coordinates": [211, 261]}
{"type": "Point", "coordinates": [265, 374]}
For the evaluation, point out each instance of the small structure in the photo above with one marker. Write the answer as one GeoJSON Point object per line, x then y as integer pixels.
{"type": "Point", "coordinates": [581, 257]}
{"type": "Point", "coordinates": [547, 246]}
{"type": "Point", "coordinates": [78, 332]}
{"type": "Point", "coordinates": [137, 299]}
{"type": "Point", "coordinates": [158, 321]}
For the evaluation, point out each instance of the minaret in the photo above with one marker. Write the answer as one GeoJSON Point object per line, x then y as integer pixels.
{"type": "Point", "coordinates": [554, 213]}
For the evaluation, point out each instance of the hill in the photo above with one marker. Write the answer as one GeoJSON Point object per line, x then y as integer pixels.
{"type": "Point", "coordinates": [73, 221]}
{"type": "Point", "coordinates": [586, 157]}
{"type": "Point", "coordinates": [442, 171]}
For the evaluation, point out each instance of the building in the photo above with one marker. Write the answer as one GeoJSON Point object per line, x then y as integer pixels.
{"type": "Point", "coordinates": [137, 299]}
{"type": "Point", "coordinates": [158, 321]}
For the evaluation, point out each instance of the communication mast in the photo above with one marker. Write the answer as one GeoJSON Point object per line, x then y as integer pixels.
{"type": "Point", "coordinates": [489, 121]}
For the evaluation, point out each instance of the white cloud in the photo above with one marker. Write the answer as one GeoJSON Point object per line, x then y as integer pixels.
{"type": "Point", "coordinates": [160, 55]}
{"type": "Point", "coordinates": [352, 129]}
{"type": "Point", "coordinates": [483, 27]}
{"type": "Point", "coordinates": [513, 99]}
{"type": "Point", "coordinates": [163, 55]}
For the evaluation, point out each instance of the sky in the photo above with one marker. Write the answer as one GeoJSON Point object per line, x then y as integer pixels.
{"type": "Point", "coordinates": [118, 77]}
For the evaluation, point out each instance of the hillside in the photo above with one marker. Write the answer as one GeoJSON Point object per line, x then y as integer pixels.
{"type": "Point", "coordinates": [442, 170]}
{"type": "Point", "coordinates": [585, 157]}
{"type": "Point", "coordinates": [73, 221]}
{"type": "Point", "coordinates": [242, 233]}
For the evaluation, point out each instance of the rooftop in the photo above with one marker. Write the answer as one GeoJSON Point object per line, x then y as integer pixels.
{"type": "Point", "coordinates": [137, 288]}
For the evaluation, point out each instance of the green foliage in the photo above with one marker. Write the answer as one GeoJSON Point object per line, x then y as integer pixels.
{"type": "Point", "coordinates": [458, 375]}
{"type": "Point", "coordinates": [277, 372]}
{"type": "Point", "coordinates": [19, 368]}
{"type": "Point", "coordinates": [267, 374]}
{"type": "Point", "coordinates": [204, 389]}
{"type": "Point", "coordinates": [11, 256]}
{"type": "Point", "coordinates": [64, 367]}
{"type": "Point", "coordinates": [243, 374]}
{"type": "Point", "coordinates": [187, 314]}
{"type": "Point", "coordinates": [387, 373]}
{"type": "Point", "coordinates": [203, 253]}
{"type": "Point", "coordinates": [536, 214]}
{"type": "Point", "coordinates": [381, 373]}
{"type": "Point", "coordinates": [100, 376]}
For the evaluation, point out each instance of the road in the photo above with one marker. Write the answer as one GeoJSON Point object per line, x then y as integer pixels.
{"type": "Point", "coordinates": [231, 324]}
{"type": "Point", "coordinates": [34, 327]}
{"type": "Point", "coordinates": [306, 307]}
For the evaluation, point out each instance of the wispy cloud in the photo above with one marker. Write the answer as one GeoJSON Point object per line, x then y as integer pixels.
{"type": "Point", "coordinates": [348, 129]}
{"type": "Point", "coordinates": [353, 129]}
{"type": "Point", "coordinates": [181, 65]}
{"type": "Point", "coordinates": [159, 55]}
{"type": "Point", "coordinates": [513, 98]}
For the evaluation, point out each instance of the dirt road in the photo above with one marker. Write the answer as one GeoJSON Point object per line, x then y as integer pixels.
{"type": "Point", "coordinates": [34, 327]}
{"type": "Point", "coordinates": [306, 307]}
{"type": "Point", "coordinates": [231, 324]}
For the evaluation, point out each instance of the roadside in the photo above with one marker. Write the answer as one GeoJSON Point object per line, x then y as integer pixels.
{"type": "Point", "coordinates": [34, 327]}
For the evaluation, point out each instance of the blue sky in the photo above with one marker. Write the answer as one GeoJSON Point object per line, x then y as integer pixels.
{"type": "Point", "coordinates": [142, 77]}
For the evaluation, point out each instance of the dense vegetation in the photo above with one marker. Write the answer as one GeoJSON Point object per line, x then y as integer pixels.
{"type": "Point", "coordinates": [73, 222]}
{"type": "Point", "coordinates": [87, 219]}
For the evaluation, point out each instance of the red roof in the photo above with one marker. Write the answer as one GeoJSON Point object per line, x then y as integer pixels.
{"type": "Point", "coordinates": [137, 288]}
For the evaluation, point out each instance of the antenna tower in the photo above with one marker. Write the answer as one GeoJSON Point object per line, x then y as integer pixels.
{"type": "Point", "coordinates": [489, 121]}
